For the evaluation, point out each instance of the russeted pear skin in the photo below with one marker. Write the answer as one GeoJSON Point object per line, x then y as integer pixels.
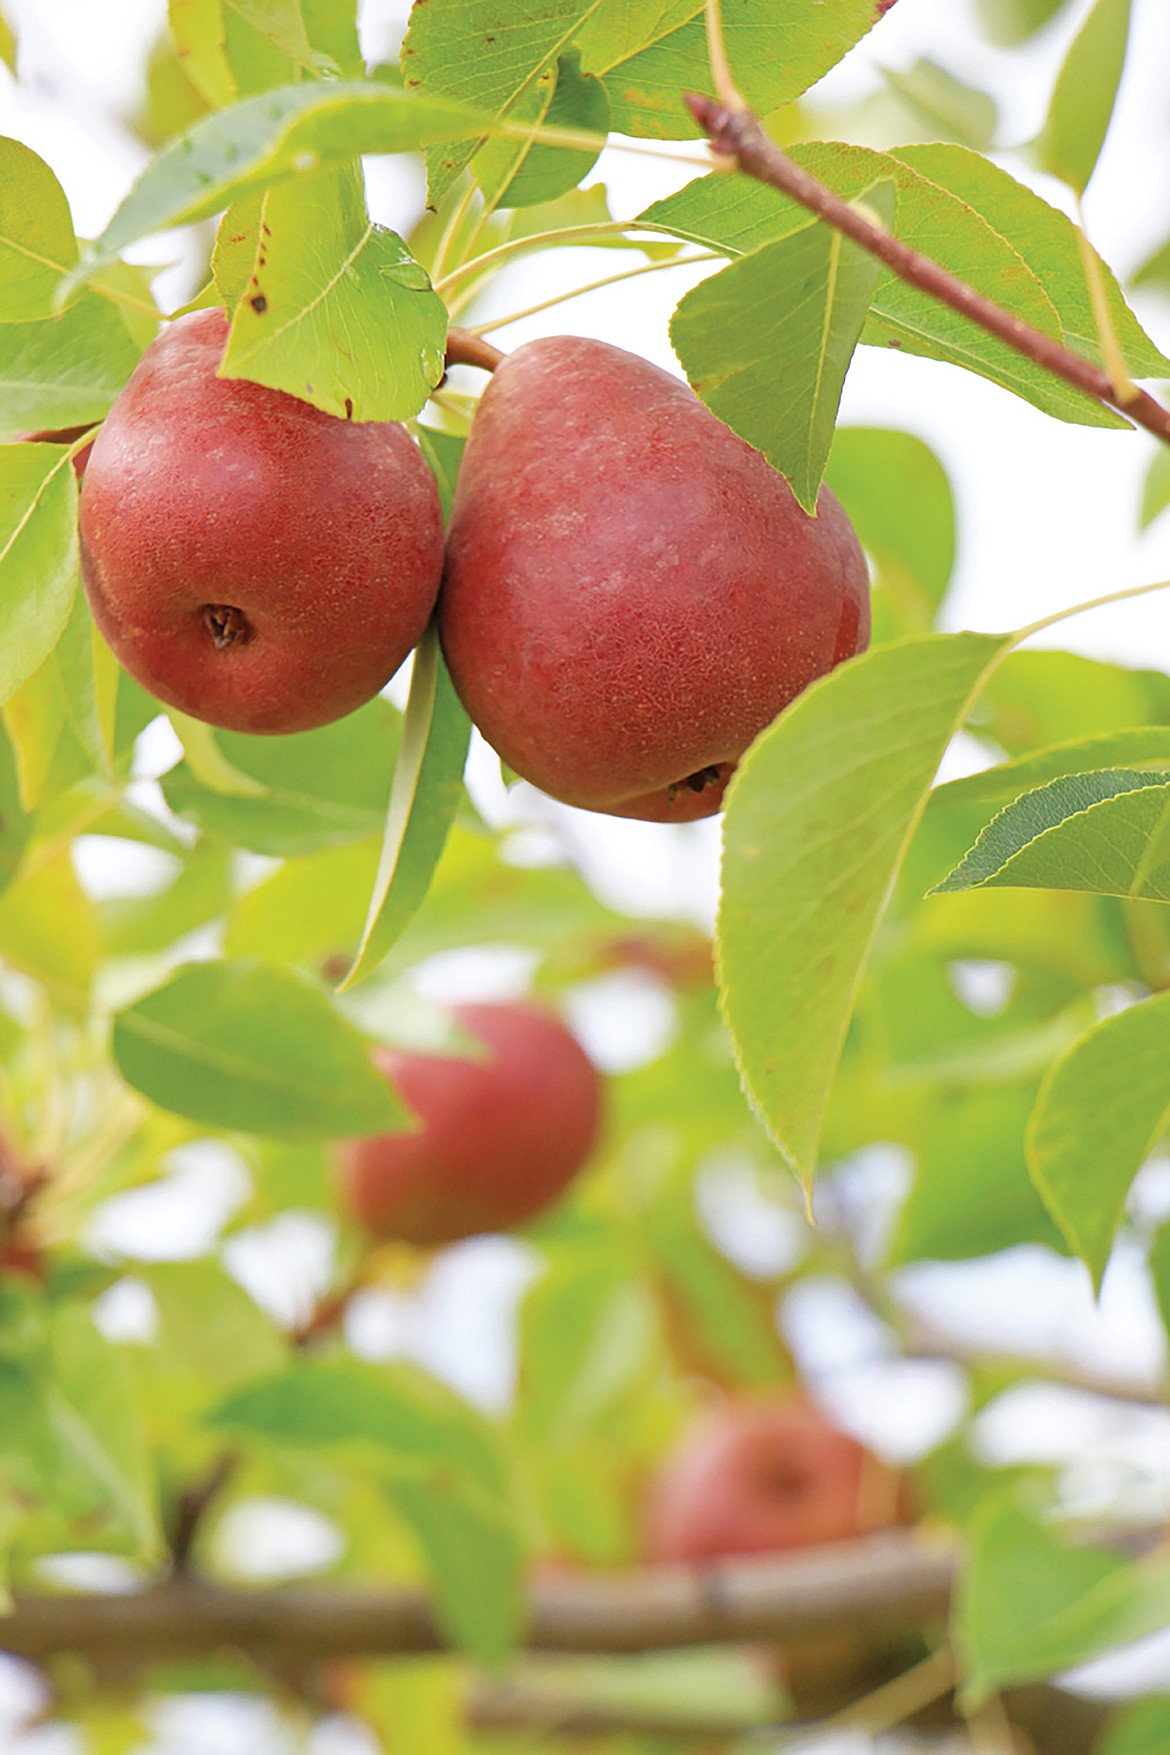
{"type": "Point", "coordinates": [631, 592]}
{"type": "Point", "coordinates": [251, 560]}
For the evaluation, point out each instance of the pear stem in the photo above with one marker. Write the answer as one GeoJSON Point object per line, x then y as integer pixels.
{"type": "Point", "coordinates": [738, 135]}
{"type": "Point", "coordinates": [465, 348]}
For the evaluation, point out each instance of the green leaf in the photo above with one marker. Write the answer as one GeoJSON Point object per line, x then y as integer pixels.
{"type": "Point", "coordinates": [1048, 242]}
{"type": "Point", "coordinates": [312, 789]}
{"type": "Point", "coordinates": [1160, 1272]}
{"type": "Point", "coordinates": [1140, 1728]}
{"type": "Point", "coordinates": [818, 819]}
{"type": "Point", "coordinates": [52, 718]}
{"type": "Point", "coordinates": [234, 256]}
{"type": "Point", "coordinates": [336, 310]}
{"type": "Point", "coordinates": [7, 44]}
{"type": "Point", "coordinates": [1140, 745]}
{"type": "Point", "coordinates": [278, 134]}
{"type": "Point", "coordinates": [1029, 1605]}
{"type": "Point", "coordinates": [210, 1325]}
{"type": "Point", "coordinates": [242, 1046]}
{"type": "Point", "coordinates": [1101, 1110]}
{"type": "Point", "coordinates": [63, 371]}
{"type": "Point", "coordinates": [1105, 832]}
{"type": "Point", "coordinates": [1155, 489]}
{"type": "Point", "coordinates": [14, 826]}
{"type": "Point", "coordinates": [38, 556]}
{"type": "Point", "coordinates": [1013, 21]}
{"type": "Point", "coordinates": [476, 1560]}
{"type": "Point", "coordinates": [1085, 92]}
{"type": "Point", "coordinates": [136, 926]}
{"type": "Point", "coordinates": [233, 48]}
{"type": "Point", "coordinates": [1155, 270]}
{"type": "Point", "coordinates": [526, 174]}
{"type": "Point", "coordinates": [427, 788]}
{"type": "Point", "coordinates": [979, 230]}
{"type": "Point", "coordinates": [48, 929]}
{"type": "Point", "coordinates": [480, 53]}
{"type": "Point", "coordinates": [766, 343]}
{"type": "Point", "coordinates": [311, 909]}
{"type": "Point", "coordinates": [961, 112]}
{"type": "Point", "coordinates": [442, 1466]}
{"type": "Point", "coordinates": [651, 51]}
{"type": "Point", "coordinates": [589, 1342]}
{"type": "Point", "coordinates": [972, 1194]}
{"type": "Point", "coordinates": [92, 1410]}
{"type": "Point", "coordinates": [37, 244]}
{"type": "Point", "coordinates": [1038, 698]}
{"type": "Point", "coordinates": [900, 503]}
{"type": "Point", "coordinates": [444, 452]}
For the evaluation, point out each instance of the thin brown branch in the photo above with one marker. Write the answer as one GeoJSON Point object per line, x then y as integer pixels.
{"type": "Point", "coordinates": [467, 349]}
{"type": "Point", "coordinates": [889, 1581]}
{"type": "Point", "coordinates": [739, 135]}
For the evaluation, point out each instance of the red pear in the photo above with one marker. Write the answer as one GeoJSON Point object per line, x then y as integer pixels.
{"type": "Point", "coordinates": [251, 560]}
{"type": "Point", "coordinates": [500, 1137]}
{"type": "Point", "coordinates": [762, 1477]}
{"type": "Point", "coordinates": [632, 593]}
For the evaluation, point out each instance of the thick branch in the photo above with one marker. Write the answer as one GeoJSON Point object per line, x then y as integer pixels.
{"type": "Point", "coordinates": [740, 136]}
{"type": "Point", "coordinates": [888, 1582]}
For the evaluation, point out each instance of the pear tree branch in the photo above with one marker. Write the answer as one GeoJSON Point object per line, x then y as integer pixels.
{"type": "Point", "coordinates": [737, 134]}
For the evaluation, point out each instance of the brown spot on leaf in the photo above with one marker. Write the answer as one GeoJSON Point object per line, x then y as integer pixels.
{"type": "Point", "coordinates": [259, 304]}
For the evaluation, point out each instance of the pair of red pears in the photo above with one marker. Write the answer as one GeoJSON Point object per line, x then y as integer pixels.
{"type": "Point", "coordinates": [629, 592]}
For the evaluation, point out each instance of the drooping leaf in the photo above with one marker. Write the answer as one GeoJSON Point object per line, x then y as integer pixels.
{"type": "Point", "coordinates": [1083, 98]}
{"type": "Point", "coordinates": [243, 1046]}
{"type": "Point", "coordinates": [1107, 832]}
{"type": "Point", "coordinates": [766, 343]}
{"type": "Point", "coordinates": [1100, 1111]}
{"type": "Point", "coordinates": [37, 244]}
{"type": "Point", "coordinates": [818, 819]}
{"type": "Point", "coordinates": [335, 309]}
{"type": "Point", "coordinates": [427, 787]}
{"type": "Point", "coordinates": [38, 556]}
